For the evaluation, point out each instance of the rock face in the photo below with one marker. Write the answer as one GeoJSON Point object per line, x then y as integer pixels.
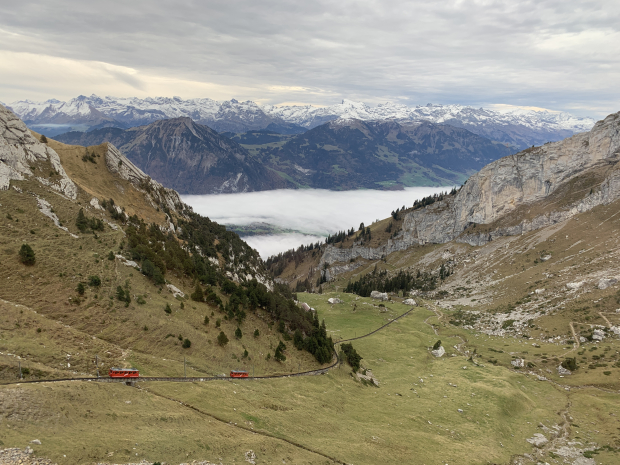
{"type": "Point", "coordinates": [20, 151]}
{"type": "Point", "coordinates": [185, 156]}
{"type": "Point", "coordinates": [503, 186]}
{"type": "Point", "coordinates": [529, 176]}
{"type": "Point", "coordinates": [409, 302]}
{"type": "Point", "coordinates": [382, 296]}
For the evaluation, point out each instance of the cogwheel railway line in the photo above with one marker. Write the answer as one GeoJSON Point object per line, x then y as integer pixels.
{"type": "Point", "coordinates": [200, 379]}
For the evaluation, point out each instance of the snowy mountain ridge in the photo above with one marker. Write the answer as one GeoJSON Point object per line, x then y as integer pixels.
{"type": "Point", "coordinates": [518, 127]}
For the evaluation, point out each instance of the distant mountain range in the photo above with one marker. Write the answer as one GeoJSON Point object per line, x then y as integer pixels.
{"type": "Point", "coordinates": [186, 156]}
{"type": "Point", "coordinates": [517, 128]}
{"type": "Point", "coordinates": [341, 154]}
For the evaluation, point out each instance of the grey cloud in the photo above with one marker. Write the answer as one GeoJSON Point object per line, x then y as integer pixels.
{"type": "Point", "coordinates": [556, 54]}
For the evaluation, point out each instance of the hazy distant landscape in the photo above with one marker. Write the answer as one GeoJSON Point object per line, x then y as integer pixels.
{"type": "Point", "coordinates": [310, 214]}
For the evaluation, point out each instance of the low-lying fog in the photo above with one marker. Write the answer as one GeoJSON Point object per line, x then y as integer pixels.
{"type": "Point", "coordinates": [313, 213]}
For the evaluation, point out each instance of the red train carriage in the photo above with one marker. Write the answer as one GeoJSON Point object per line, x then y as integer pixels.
{"type": "Point", "coordinates": [123, 373]}
{"type": "Point", "coordinates": [238, 374]}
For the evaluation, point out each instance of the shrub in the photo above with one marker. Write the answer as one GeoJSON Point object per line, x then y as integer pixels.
{"type": "Point", "coordinates": [27, 255]}
{"type": "Point", "coordinates": [218, 323]}
{"type": "Point", "coordinates": [238, 333]}
{"type": "Point", "coordinates": [206, 322]}
{"type": "Point", "coordinates": [570, 363]}
{"type": "Point", "coordinates": [81, 288]}
{"type": "Point", "coordinates": [168, 309]}
{"type": "Point", "coordinates": [256, 333]}
{"type": "Point", "coordinates": [94, 281]}
{"type": "Point", "coordinates": [187, 343]}
{"type": "Point", "coordinates": [437, 345]}
{"type": "Point", "coordinates": [222, 340]}
{"type": "Point", "coordinates": [111, 256]}
{"type": "Point", "coordinates": [245, 353]}
{"type": "Point", "coordinates": [43, 139]}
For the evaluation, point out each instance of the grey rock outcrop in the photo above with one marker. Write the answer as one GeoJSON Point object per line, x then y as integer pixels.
{"type": "Point", "coordinates": [119, 164]}
{"type": "Point", "coordinates": [526, 177]}
{"type": "Point", "coordinates": [382, 296]}
{"type": "Point", "coordinates": [439, 352]}
{"type": "Point", "coordinates": [19, 149]}
{"type": "Point", "coordinates": [606, 282]}
{"type": "Point", "coordinates": [504, 185]}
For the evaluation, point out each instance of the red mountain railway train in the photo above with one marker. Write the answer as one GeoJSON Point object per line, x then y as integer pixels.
{"type": "Point", "coordinates": [238, 374]}
{"type": "Point", "coordinates": [123, 373]}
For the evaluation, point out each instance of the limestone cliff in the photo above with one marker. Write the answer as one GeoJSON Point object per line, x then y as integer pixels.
{"type": "Point", "coordinates": [497, 195]}
{"type": "Point", "coordinates": [18, 149]}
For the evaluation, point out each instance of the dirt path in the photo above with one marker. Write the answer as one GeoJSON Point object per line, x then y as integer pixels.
{"type": "Point", "coordinates": [609, 325]}
{"type": "Point", "coordinates": [575, 337]}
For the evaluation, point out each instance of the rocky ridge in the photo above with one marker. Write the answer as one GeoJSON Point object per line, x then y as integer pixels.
{"type": "Point", "coordinates": [505, 185]}
{"type": "Point", "coordinates": [18, 149]}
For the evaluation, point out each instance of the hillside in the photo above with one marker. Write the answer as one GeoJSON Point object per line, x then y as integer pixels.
{"type": "Point", "coordinates": [526, 322]}
{"type": "Point", "coordinates": [185, 156]}
{"type": "Point", "coordinates": [101, 284]}
{"type": "Point", "coordinates": [518, 128]}
{"type": "Point", "coordinates": [350, 154]}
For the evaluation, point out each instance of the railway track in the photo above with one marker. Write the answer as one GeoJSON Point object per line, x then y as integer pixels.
{"type": "Point", "coordinates": [200, 379]}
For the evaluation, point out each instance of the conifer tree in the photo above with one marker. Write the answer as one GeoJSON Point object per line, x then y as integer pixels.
{"type": "Point", "coordinates": [27, 255]}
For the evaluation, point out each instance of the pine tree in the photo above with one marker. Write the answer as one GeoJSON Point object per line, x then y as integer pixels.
{"type": "Point", "coordinates": [222, 340]}
{"type": "Point", "coordinates": [238, 333]}
{"type": "Point", "coordinates": [27, 255]}
{"type": "Point", "coordinates": [81, 222]}
{"type": "Point", "coordinates": [198, 295]}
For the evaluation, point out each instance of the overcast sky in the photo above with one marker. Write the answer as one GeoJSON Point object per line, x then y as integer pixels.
{"type": "Point", "coordinates": [557, 54]}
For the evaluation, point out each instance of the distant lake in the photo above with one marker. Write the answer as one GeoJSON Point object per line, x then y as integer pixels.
{"type": "Point", "coordinates": [308, 215]}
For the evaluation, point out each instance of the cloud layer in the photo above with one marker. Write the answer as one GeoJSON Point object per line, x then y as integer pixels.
{"type": "Point", "coordinates": [314, 213]}
{"type": "Point", "coordinates": [548, 53]}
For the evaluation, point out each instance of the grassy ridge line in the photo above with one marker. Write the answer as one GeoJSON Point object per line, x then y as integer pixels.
{"type": "Point", "coordinates": [262, 433]}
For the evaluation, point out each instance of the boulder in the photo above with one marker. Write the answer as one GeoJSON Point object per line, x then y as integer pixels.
{"type": "Point", "coordinates": [518, 363]}
{"type": "Point", "coordinates": [574, 286]}
{"type": "Point", "coordinates": [538, 440]}
{"type": "Point", "coordinates": [36, 441]}
{"type": "Point", "coordinates": [563, 371]}
{"type": "Point", "coordinates": [334, 300]}
{"type": "Point", "coordinates": [410, 302]}
{"type": "Point", "coordinates": [379, 296]}
{"type": "Point", "coordinates": [305, 307]}
{"type": "Point", "coordinates": [598, 335]}
{"type": "Point", "coordinates": [176, 292]}
{"type": "Point", "coordinates": [439, 352]}
{"type": "Point", "coordinates": [606, 282]}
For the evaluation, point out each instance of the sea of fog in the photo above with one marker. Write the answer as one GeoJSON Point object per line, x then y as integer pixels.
{"type": "Point", "coordinates": [312, 213]}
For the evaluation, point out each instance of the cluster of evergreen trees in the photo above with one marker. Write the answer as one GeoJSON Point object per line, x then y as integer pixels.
{"type": "Point", "coordinates": [353, 358]}
{"type": "Point", "coordinates": [84, 224]}
{"type": "Point", "coordinates": [159, 253]}
{"type": "Point", "coordinates": [431, 199]}
{"type": "Point", "coordinates": [316, 342]}
{"type": "Point", "coordinates": [276, 264]}
{"type": "Point", "coordinates": [382, 282]}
